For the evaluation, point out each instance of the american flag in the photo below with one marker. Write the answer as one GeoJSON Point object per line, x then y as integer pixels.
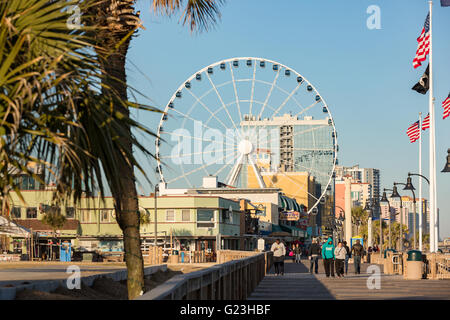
{"type": "Point", "coordinates": [413, 132]}
{"type": "Point", "coordinates": [446, 105]}
{"type": "Point", "coordinates": [426, 122]}
{"type": "Point", "coordinates": [423, 49]}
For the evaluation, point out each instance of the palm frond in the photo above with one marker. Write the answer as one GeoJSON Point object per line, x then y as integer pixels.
{"type": "Point", "coordinates": [199, 15]}
{"type": "Point", "coordinates": [52, 112]}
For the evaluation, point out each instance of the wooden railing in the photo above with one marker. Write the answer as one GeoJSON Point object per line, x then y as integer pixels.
{"type": "Point", "coordinates": [437, 266]}
{"type": "Point", "coordinates": [231, 280]}
{"type": "Point", "coordinates": [229, 255]}
{"type": "Point", "coordinates": [154, 255]}
{"type": "Point", "coordinates": [196, 256]}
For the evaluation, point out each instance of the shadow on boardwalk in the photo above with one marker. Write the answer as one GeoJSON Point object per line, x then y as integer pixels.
{"type": "Point", "coordinates": [298, 284]}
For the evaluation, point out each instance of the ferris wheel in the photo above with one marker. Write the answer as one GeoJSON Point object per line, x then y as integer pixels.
{"type": "Point", "coordinates": [252, 122]}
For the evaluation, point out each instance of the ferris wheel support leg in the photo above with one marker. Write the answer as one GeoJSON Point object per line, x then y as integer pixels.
{"type": "Point", "coordinates": [231, 180]}
{"type": "Point", "coordinates": [257, 173]}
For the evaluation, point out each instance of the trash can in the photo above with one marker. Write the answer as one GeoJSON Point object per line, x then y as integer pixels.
{"type": "Point", "coordinates": [414, 265]}
{"type": "Point", "coordinates": [414, 255]}
{"type": "Point", "coordinates": [182, 257]}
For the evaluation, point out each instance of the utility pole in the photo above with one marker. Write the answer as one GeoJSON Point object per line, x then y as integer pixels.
{"type": "Point", "coordinates": [348, 211]}
{"type": "Point", "coordinates": [156, 215]}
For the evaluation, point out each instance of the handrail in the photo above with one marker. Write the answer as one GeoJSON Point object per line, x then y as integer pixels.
{"type": "Point", "coordinates": [234, 279]}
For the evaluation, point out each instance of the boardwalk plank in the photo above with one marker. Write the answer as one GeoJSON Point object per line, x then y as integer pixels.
{"type": "Point", "coordinates": [298, 284]}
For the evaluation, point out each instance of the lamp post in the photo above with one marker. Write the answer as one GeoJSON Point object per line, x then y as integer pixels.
{"type": "Point", "coordinates": [341, 226]}
{"type": "Point", "coordinates": [395, 194]}
{"type": "Point", "coordinates": [409, 186]}
{"type": "Point", "coordinates": [447, 165]}
{"type": "Point", "coordinates": [385, 200]}
{"type": "Point", "coordinates": [421, 206]}
{"type": "Point", "coordinates": [375, 204]}
{"type": "Point", "coordinates": [341, 220]}
{"type": "Point", "coordinates": [156, 215]}
{"type": "Point", "coordinates": [369, 207]}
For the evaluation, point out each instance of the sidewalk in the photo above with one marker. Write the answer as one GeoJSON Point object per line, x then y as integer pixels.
{"type": "Point", "coordinates": [298, 284]}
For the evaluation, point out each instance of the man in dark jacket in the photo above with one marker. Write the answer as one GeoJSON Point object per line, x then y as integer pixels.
{"type": "Point", "coordinates": [314, 253]}
{"type": "Point", "coordinates": [358, 252]}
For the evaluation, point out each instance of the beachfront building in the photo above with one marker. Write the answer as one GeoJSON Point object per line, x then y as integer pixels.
{"type": "Point", "coordinates": [271, 205]}
{"type": "Point", "coordinates": [190, 221]}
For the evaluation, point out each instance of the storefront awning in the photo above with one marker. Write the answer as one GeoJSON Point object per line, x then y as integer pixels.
{"type": "Point", "coordinates": [287, 204]}
{"type": "Point", "coordinates": [296, 232]}
{"type": "Point", "coordinates": [10, 228]}
{"type": "Point", "coordinates": [276, 228]}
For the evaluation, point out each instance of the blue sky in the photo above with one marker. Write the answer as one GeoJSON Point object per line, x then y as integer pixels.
{"type": "Point", "coordinates": [365, 75]}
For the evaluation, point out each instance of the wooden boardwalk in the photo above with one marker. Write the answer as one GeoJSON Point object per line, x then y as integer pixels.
{"type": "Point", "coordinates": [298, 284]}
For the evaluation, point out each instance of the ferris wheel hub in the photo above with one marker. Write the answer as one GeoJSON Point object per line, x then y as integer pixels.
{"type": "Point", "coordinates": [245, 147]}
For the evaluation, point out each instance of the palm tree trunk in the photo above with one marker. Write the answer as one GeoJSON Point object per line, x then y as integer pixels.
{"type": "Point", "coordinates": [118, 20]}
{"type": "Point", "coordinates": [126, 202]}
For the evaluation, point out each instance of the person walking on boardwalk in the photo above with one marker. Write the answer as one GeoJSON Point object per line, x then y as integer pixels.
{"type": "Point", "coordinates": [314, 253]}
{"type": "Point", "coordinates": [358, 252]}
{"type": "Point", "coordinates": [347, 256]}
{"type": "Point", "coordinates": [279, 251]}
{"type": "Point", "coordinates": [292, 252]}
{"type": "Point", "coordinates": [340, 254]}
{"type": "Point", "coordinates": [298, 253]}
{"type": "Point", "coordinates": [328, 257]}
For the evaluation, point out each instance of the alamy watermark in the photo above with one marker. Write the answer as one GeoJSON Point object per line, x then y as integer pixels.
{"type": "Point", "coordinates": [211, 146]}
{"type": "Point", "coordinates": [374, 280]}
{"type": "Point", "coordinates": [74, 280]}
{"type": "Point", "coordinates": [374, 20]}
{"type": "Point", "coordinates": [74, 21]}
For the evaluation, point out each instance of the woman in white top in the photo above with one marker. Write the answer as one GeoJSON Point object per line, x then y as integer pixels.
{"type": "Point", "coordinates": [340, 253]}
{"type": "Point", "coordinates": [279, 251]}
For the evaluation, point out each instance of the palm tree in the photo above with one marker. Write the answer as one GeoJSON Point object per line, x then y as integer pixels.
{"type": "Point", "coordinates": [119, 22]}
{"type": "Point", "coordinates": [359, 217]}
{"type": "Point", "coordinates": [53, 112]}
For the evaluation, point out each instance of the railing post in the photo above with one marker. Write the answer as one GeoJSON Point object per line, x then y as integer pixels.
{"type": "Point", "coordinates": [433, 266]}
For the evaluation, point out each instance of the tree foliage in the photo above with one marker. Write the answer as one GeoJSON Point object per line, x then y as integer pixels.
{"type": "Point", "coordinates": [51, 110]}
{"type": "Point", "coordinates": [54, 219]}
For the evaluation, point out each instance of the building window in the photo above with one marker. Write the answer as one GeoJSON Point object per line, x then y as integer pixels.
{"type": "Point", "coordinates": [32, 213]}
{"type": "Point", "coordinates": [205, 218]}
{"type": "Point", "coordinates": [70, 212]}
{"type": "Point", "coordinates": [170, 215]}
{"type": "Point", "coordinates": [186, 215]}
{"type": "Point", "coordinates": [16, 212]}
{"type": "Point", "coordinates": [104, 216]}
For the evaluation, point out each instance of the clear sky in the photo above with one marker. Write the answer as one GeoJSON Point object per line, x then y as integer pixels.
{"type": "Point", "coordinates": [365, 75]}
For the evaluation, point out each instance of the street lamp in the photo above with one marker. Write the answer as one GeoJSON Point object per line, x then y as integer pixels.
{"type": "Point", "coordinates": [395, 194]}
{"type": "Point", "coordinates": [341, 219]}
{"type": "Point", "coordinates": [369, 207]}
{"type": "Point", "coordinates": [447, 165]}
{"type": "Point", "coordinates": [421, 206]}
{"type": "Point", "coordinates": [409, 186]}
{"type": "Point", "coordinates": [156, 215]}
{"type": "Point", "coordinates": [384, 199]}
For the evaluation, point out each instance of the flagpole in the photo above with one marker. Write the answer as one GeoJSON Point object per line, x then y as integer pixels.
{"type": "Point", "coordinates": [432, 144]}
{"type": "Point", "coordinates": [420, 184]}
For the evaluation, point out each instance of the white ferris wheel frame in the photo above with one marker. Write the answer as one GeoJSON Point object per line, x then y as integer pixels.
{"type": "Point", "coordinates": [232, 174]}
